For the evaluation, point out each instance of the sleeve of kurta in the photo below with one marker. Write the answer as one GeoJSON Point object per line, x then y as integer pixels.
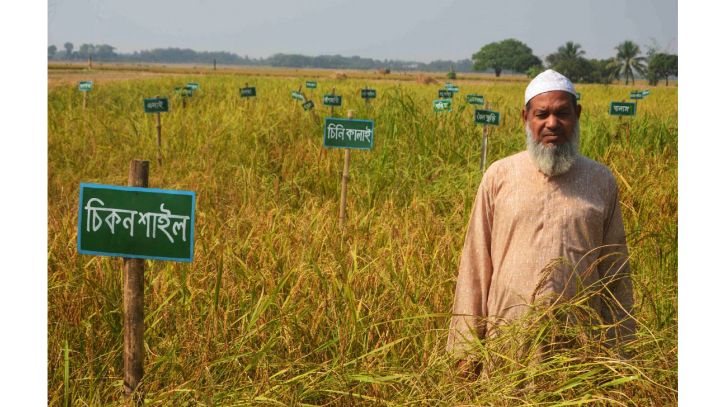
{"type": "Point", "coordinates": [474, 277]}
{"type": "Point", "coordinates": [614, 273]}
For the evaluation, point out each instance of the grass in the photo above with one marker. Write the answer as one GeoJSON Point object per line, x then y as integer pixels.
{"type": "Point", "coordinates": [280, 306]}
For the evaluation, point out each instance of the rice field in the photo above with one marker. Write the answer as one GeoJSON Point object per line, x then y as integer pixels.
{"type": "Point", "coordinates": [281, 306]}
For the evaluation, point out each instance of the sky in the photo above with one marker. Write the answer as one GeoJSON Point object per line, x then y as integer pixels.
{"type": "Point", "coordinates": [421, 30]}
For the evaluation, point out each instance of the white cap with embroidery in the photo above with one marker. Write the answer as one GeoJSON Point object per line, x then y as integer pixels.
{"type": "Point", "coordinates": [546, 82]}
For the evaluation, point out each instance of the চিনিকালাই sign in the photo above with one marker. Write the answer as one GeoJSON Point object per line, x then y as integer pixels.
{"type": "Point", "coordinates": [348, 133]}
{"type": "Point", "coordinates": [474, 99]}
{"type": "Point", "coordinates": [622, 109]}
{"type": "Point", "coordinates": [85, 86]}
{"type": "Point", "coordinates": [332, 100]}
{"type": "Point", "coordinates": [368, 93]}
{"type": "Point", "coordinates": [442, 105]}
{"type": "Point", "coordinates": [156, 105]}
{"type": "Point", "coordinates": [136, 222]}
{"type": "Point", "coordinates": [248, 92]}
{"type": "Point", "coordinates": [311, 84]}
{"type": "Point", "coordinates": [486, 117]}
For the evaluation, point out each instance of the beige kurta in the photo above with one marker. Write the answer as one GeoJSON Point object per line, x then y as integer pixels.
{"type": "Point", "coordinates": [521, 221]}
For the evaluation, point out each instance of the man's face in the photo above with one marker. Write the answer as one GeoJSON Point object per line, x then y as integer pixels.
{"type": "Point", "coordinates": [551, 117]}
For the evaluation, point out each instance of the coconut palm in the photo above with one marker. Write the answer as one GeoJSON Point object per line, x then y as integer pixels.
{"type": "Point", "coordinates": [571, 50]}
{"type": "Point", "coordinates": [568, 52]}
{"type": "Point", "coordinates": [629, 61]}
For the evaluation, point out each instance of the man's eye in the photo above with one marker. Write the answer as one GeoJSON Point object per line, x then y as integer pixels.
{"type": "Point", "coordinates": [541, 115]}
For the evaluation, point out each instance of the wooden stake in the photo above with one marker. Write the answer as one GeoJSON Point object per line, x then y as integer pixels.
{"type": "Point", "coordinates": [85, 95]}
{"type": "Point", "coordinates": [332, 107]}
{"type": "Point", "coordinates": [133, 308]}
{"type": "Point", "coordinates": [158, 135]}
{"type": "Point", "coordinates": [484, 144]}
{"type": "Point", "coordinates": [484, 147]}
{"type": "Point", "coordinates": [345, 177]}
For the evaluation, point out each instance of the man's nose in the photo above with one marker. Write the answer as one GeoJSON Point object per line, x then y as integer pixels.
{"type": "Point", "coordinates": [552, 122]}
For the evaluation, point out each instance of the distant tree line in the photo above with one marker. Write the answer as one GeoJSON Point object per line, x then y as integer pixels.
{"type": "Point", "coordinates": [569, 60]}
{"type": "Point", "coordinates": [510, 55]}
{"type": "Point", "coordinates": [108, 53]}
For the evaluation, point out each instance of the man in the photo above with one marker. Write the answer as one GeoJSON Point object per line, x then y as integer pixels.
{"type": "Point", "coordinates": [533, 208]}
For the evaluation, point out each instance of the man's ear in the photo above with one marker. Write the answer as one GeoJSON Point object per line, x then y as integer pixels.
{"type": "Point", "coordinates": [523, 115]}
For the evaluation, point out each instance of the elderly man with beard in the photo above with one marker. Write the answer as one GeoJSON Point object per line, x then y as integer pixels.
{"type": "Point", "coordinates": [545, 223]}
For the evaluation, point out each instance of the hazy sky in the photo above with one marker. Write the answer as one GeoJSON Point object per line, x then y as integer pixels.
{"type": "Point", "coordinates": [420, 30]}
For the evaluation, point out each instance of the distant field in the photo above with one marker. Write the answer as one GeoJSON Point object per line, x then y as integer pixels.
{"type": "Point", "coordinates": [281, 307]}
{"type": "Point", "coordinates": [67, 72]}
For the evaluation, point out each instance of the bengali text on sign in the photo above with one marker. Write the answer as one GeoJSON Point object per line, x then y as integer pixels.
{"type": "Point", "coordinates": [348, 133]}
{"type": "Point", "coordinates": [136, 222]}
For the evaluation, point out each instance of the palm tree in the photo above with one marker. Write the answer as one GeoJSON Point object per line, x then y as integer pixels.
{"type": "Point", "coordinates": [571, 50]}
{"type": "Point", "coordinates": [568, 52]}
{"type": "Point", "coordinates": [629, 61]}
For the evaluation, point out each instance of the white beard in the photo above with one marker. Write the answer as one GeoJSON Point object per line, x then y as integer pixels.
{"type": "Point", "coordinates": [553, 160]}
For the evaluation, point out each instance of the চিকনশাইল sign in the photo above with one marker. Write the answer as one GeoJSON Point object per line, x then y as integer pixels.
{"type": "Point", "coordinates": [136, 222]}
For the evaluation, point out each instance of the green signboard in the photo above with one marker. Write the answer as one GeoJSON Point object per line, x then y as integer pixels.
{"type": "Point", "coordinates": [248, 92]}
{"type": "Point", "coordinates": [156, 105]}
{"type": "Point", "coordinates": [486, 117]}
{"type": "Point", "coordinates": [311, 84]}
{"type": "Point", "coordinates": [192, 85]}
{"type": "Point", "coordinates": [308, 105]}
{"type": "Point", "coordinates": [136, 222]}
{"type": "Point", "coordinates": [332, 100]}
{"type": "Point", "coordinates": [297, 95]}
{"type": "Point", "coordinates": [85, 86]}
{"type": "Point", "coordinates": [578, 96]}
{"type": "Point", "coordinates": [645, 92]}
{"type": "Point", "coordinates": [452, 88]}
{"type": "Point", "coordinates": [348, 133]}
{"type": "Point", "coordinates": [368, 93]}
{"type": "Point", "coordinates": [185, 91]}
{"type": "Point", "coordinates": [622, 109]}
{"type": "Point", "coordinates": [635, 95]}
{"type": "Point", "coordinates": [445, 94]}
{"type": "Point", "coordinates": [474, 99]}
{"type": "Point", "coordinates": [442, 105]}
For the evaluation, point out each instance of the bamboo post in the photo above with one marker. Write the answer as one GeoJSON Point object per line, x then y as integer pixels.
{"type": "Point", "coordinates": [85, 97]}
{"type": "Point", "coordinates": [332, 107]}
{"type": "Point", "coordinates": [133, 307]}
{"type": "Point", "coordinates": [484, 144]}
{"type": "Point", "coordinates": [484, 147]}
{"type": "Point", "coordinates": [158, 134]}
{"type": "Point", "coordinates": [345, 178]}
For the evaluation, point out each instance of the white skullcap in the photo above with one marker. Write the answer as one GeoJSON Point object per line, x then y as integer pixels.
{"type": "Point", "coordinates": [546, 82]}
